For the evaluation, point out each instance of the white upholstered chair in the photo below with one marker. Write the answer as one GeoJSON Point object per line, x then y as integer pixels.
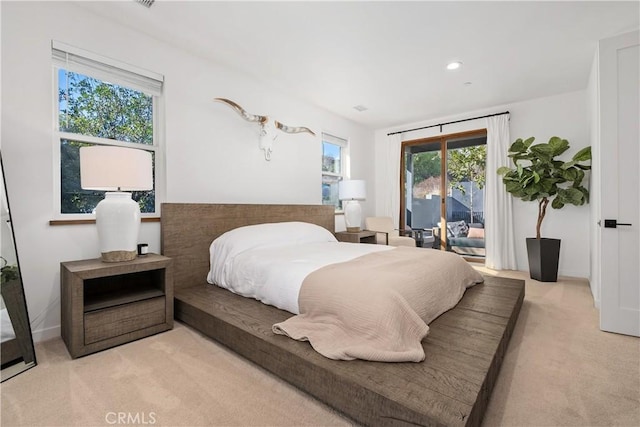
{"type": "Point", "coordinates": [386, 233]}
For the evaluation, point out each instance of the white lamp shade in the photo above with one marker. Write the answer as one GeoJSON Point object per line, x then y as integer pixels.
{"type": "Point", "coordinates": [115, 169]}
{"type": "Point", "coordinates": [352, 189]}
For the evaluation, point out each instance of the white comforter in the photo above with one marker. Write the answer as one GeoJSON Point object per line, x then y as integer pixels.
{"type": "Point", "coordinates": [274, 274]}
{"type": "Point", "coordinates": [268, 262]}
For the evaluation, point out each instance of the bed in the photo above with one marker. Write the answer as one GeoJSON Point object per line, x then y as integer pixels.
{"type": "Point", "coordinates": [464, 348]}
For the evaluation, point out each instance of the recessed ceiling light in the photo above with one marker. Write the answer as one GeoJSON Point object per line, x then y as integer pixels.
{"type": "Point", "coordinates": [454, 65]}
{"type": "Point", "coordinates": [360, 108]}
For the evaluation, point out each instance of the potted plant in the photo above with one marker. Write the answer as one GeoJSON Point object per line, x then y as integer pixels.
{"type": "Point", "coordinates": [538, 176]}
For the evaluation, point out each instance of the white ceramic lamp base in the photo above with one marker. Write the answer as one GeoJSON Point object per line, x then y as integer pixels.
{"type": "Point", "coordinates": [118, 222]}
{"type": "Point", "coordinates": [353, 216]}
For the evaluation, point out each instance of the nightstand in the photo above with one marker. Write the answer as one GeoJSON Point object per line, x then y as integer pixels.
{"type": "Point", "coordinates": [364, 236]}
{"type": "Point", "coordinates": [107, 304]}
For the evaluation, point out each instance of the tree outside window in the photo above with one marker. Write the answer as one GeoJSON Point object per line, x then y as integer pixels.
{"type": "Point", "coordinates": [466, 172]}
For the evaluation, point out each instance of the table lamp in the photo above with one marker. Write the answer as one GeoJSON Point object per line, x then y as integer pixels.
{"type": "Point", "coordinates": [116, 170]}
{"type": "Point", "coordinates": [352, 190]}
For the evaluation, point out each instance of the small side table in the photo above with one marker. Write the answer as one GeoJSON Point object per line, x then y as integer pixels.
{"type": "Point", "coordinates": [108, 304]}
{"type": "Point", "coordinates": [364, 236]}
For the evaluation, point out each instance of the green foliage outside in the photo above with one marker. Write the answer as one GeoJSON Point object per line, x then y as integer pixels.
{"type": "Point", "coordinates": [463, 164]}
{"type": "Point", "coordinates": [425, 165]}
{"type": "Point", "coordinates": [467, 164]}
{"type": "Point", "coordinates": [92, 107]}
{"type": "Point", "coordinates": [538, 175]}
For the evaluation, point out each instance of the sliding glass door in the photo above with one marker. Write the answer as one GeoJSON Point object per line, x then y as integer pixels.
{"type": "Point", "coordinates": [443, 181]}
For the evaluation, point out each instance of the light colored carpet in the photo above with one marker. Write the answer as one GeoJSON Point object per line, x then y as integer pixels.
{"type": "Point", "coordinates": [177, 378]}
{"type": "Point", "coordinates": [560, 369]}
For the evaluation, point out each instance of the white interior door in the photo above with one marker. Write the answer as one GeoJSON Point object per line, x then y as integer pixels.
{"type": "Point", "coordinates": [620, 190]}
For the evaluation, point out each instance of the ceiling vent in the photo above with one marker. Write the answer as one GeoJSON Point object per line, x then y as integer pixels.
{"type": "Point", "coordinates": [360, 108]}
{"type": "Point", "coordinates": [147, 3]}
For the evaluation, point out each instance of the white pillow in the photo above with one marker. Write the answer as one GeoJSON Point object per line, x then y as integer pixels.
{"type": "Point", "coordinates": [234, 242]}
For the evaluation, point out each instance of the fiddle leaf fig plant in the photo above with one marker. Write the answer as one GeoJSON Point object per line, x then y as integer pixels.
{"type": "Point", "coordinates": [538, 175]}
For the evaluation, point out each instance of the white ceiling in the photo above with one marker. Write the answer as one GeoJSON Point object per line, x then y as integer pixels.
{"type": "Point", "coordinates": [391, 56]}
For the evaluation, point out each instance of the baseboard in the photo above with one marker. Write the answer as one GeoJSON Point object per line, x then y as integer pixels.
{"type": "Point", "coordinates": [46, 334]}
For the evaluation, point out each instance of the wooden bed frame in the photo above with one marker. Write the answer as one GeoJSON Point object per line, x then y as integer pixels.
{"type": "Point", "coordinates": [464, 349]}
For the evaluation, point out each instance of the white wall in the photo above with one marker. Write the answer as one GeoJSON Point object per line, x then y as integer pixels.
{"type": "Point", "coordinates": [212, 154]}
{"type": "Point", "coordinates": [593, 105]}
{"type": "Point", "coordinates": [562, 115]}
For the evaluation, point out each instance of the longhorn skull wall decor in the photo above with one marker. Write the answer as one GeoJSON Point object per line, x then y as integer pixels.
{"type": "Point", "coordinates": [268, 127]}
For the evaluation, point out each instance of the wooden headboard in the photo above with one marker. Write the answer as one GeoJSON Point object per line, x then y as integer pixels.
{"type": "Point", "coordinates": [189, 228]}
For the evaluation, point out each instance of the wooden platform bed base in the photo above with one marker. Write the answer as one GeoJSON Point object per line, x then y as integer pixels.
{"type": "Point", "coordinates": [464, 349]}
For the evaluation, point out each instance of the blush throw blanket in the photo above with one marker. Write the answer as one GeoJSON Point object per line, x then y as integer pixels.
{"type": "Point", "coordinates": [377, 307]}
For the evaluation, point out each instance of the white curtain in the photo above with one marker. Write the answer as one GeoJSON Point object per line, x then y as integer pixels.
{"type": "Point", "coordinates": [499, 236]}
{"type": "Point", "coordinates": [391, 183]}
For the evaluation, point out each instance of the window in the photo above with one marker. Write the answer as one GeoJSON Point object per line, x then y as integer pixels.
{"type": "Point", "coordinates": [333, 168]}
{"type": "Point", "coordinates": [100, 101]}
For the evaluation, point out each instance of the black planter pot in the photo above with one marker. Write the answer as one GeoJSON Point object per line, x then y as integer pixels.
{"type": "Point", "coordinates": [543, 259]}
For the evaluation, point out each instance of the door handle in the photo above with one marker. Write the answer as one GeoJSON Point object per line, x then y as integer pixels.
{"type": "Point", "coordinates": [613, 223]}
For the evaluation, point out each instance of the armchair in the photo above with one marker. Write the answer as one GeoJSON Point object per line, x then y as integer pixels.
{"type": "Point", "coordinates": [386, 234]}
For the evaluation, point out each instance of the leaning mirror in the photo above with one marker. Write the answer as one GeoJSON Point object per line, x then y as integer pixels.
{"type": "Point", "coordinates": [16, 347]}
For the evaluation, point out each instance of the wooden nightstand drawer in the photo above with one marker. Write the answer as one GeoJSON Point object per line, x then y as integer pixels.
{"type": "Point", "coordinates": [108, 304]}
{"type": "Point", "coordinates": [115, 321]}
